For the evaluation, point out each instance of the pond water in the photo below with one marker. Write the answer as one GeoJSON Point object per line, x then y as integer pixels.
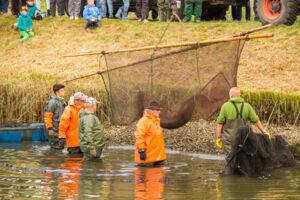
{"type": "Point", "coordinates": [33, 171]}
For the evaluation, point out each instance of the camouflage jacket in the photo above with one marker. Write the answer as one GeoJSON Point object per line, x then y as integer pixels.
{"type": "Point", "coordinates": [91, 133]}
{"type": "Point", "coordinates": [53, 111]}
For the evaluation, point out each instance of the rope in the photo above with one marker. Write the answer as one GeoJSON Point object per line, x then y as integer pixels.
{"type": "Point", "coordinates": [152, 56]}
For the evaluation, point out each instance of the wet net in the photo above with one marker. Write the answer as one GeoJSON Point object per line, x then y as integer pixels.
{"type": "Point", "coordinates": [255, 155]}
{"type": "Point", "coordinates": [189, 81]}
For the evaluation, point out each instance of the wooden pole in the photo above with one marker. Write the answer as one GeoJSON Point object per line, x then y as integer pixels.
{"type": "Point", "coordinates": [252, 30]}
{"type": "Point", "coordinates": [176, 45]}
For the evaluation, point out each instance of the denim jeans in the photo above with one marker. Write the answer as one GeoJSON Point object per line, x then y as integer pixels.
{"type": "Point", "coordinates": [103, 4]}
{"type": "Point", "coordinates": [123, 11]}
{"type": "Point", "coordinates": [125, 8]}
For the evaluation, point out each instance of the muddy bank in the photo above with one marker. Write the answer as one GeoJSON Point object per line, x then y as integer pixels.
{"type": "Point", "coordinates": [197, 136]}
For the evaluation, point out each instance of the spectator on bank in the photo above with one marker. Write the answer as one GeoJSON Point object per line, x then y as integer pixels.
{"type": "Point", "coordinates": [3, 6]}
{"type": "Point", "coordinates": [83, 4]}
{"type": "Point", "coordinates": [123, 11]}
{"type": "Point", "coordinates": [74, 9]}
{"type": "Point", "coordinates": [192, 7]}
{"type": "Point", "coordinates": [33, 11]}
{"type": "Point", "coordinates": [236, 12]}
{"type": "Point", "coordinates": [38, 5]}
{"type": "Point", "coordinates": [62, 7]}
{"type": "Point", "coordinates": [92, 15]}
{"type": "Point", "coordinates": [25, 25]}
{"type": "Point", "coordinates": [164, 10]}
{"type": "Point", "coordinates": [16, 6]}
{"type": "Point", "coordinates": [142, 9]}
{"type": "Point", "coordinates": [106, 8]}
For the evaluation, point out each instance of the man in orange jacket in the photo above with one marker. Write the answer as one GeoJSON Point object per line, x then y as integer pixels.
{"type": "Point", "coordinates": [69, 123]}
{"type": "Point", "coordinates": [149, 143]}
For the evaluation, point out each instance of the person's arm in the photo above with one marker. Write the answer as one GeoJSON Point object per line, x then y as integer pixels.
{"type": "Point", "coordinates": [87, 129]}
{"type": "Point", "coordinates": [255, 119]}
{"type": "Point", "coordinates": [64, 123]}
{"type": "Point", "coordinates": [140, 134]}
{"type": "Point", "coordinates": [48, 116]}
{"type": "Point", "coordinates": [219, 130]}
{"type": "Point", "coordinates": [21, 24]}
{"type": "Point", "coordinates": [220, 121]}
{"type": "Point", "coordinates": [86, 15]}
{"type": "Point", "coordinates": [260, 126]}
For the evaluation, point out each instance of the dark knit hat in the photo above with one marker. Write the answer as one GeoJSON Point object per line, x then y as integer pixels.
{"type": "Point", "coordinates": [153, 105]}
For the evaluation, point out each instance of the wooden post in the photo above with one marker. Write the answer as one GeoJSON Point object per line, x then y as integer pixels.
{"type": "Point", "coordinates": [177, 45]}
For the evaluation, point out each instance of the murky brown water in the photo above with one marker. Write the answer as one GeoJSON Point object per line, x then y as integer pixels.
{"type": "Point", "coordinates": [32, 171]}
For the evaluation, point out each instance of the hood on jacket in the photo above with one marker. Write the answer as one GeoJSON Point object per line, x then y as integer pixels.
{"type": "Point", "coordinates": [237, 99]}
{"type": "Point", "coordinates": [56, 98]}
{"type": "Point", "coordinates": [85, 112]}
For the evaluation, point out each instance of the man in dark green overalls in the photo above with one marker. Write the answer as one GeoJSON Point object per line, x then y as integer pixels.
{"type": "Point", "coordinates": [235, 114]}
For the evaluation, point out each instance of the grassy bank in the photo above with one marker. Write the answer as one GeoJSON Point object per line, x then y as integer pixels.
{"type": "Point", "coordinates": [266, 64]}
{"type": "Point", "coordinates": [28, 70]}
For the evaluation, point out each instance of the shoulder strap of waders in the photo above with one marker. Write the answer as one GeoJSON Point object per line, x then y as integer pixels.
{"type": "Point", "coordinates": [239, 114]}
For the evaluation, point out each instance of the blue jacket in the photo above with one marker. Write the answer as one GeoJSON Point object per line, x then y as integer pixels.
{"type": "Point", "coordinates": [24, 22]}
{"type": "Point", "coordinates": [31, 10]}
{"type": "Point", "coordinates": [90, 12]}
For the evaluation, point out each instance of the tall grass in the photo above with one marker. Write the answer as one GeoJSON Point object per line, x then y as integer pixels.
{"type": "Point", "coordinates": [25, 102]}
{"type": "Point", "coordinates": [275, 107]}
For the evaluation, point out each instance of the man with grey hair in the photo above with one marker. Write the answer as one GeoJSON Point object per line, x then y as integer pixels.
{"type": "Point", "coordinates": [234, 114]}
{"type": "Point", "coordinates": [90, 131]}
{"type": "Point", "coordinates": [68, 127]}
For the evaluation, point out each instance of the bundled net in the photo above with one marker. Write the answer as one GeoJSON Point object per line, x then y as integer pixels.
{"type": "Point", "coordinates": [255, 155]}
{"type": "Point", "coordinates": [189, 81]}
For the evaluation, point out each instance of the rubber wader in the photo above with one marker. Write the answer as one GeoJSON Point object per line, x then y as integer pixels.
{"type": "Point", "coordinates": [230, 128]}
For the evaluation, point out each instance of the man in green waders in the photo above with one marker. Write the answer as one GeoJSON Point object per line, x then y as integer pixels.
{"type": "Point", "coordinates": [235, 114]}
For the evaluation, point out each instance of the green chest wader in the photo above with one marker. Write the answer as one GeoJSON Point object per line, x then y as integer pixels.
{"type": "Point", "coordinates": [230, 128]}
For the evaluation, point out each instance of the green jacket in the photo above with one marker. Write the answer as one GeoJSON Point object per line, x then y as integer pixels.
{"type": "Point", "coordinates": [53, 112]}
{"type": "Point", "coordinates": [90, 131]}
{"type": "Point", "coordinates": [31, 10]}
{"type": "Point", "coordinates": [24, 22]}
{"type": "Point", "coordinates": [228, 111]}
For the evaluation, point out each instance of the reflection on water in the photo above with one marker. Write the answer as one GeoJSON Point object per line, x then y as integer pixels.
{"type": "Point", "coordinates": [33, 171]}
{"type": "Point", "coordinates": [149, 183]}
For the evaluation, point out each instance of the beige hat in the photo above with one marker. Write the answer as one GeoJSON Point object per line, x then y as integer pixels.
{"type": "Point", "coordinates": [80, 96]}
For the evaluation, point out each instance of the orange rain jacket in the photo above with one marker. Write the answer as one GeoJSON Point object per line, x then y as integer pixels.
{"type": "Point", "coordinates": [149, 136]}
{"type": "Point", "coordinates": [68, 126]}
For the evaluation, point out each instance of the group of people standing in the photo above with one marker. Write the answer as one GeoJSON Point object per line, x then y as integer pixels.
{"type": "Point", "coordinates": [77, 127]}
{"type": "Point", "coordinates": [74, 125]}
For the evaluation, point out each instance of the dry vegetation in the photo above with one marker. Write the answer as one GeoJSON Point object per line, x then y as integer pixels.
{"type": "Point", "coordinates": [28, 70]}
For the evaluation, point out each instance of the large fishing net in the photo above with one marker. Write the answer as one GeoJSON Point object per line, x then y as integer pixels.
{"type": "Point", "coordinates": [255, 155]}
{"type": "Point", "coordinates": [190, 80]}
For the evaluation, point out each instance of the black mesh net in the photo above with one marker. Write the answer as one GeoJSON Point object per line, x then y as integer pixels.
{"type": "Point", "coordinates": [188, 81]}
{"type": "Point", "coordinates": [255, 155]}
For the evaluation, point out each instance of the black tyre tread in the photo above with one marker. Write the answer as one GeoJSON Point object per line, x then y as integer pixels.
{"type": "Point", "coordinates": [291, 13]}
